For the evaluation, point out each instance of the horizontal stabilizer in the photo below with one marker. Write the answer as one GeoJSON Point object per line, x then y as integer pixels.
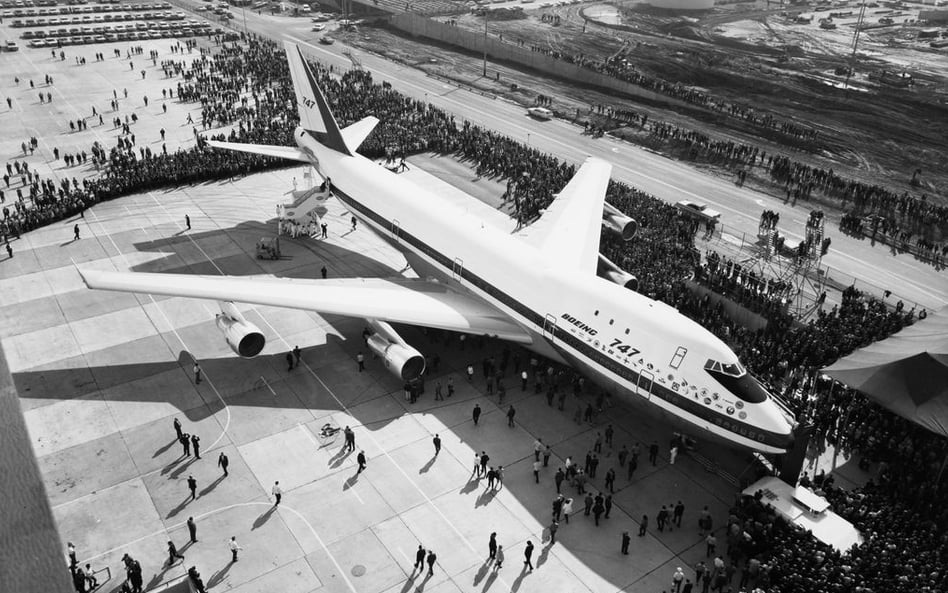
{"type": "Point", "coordinates": [280, 152]}
{"type": "Point", "coordinates": [356, 134]}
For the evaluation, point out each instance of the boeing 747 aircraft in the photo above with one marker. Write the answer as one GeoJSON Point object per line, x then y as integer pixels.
{"type": "Point", "coordinates": [545, 287]}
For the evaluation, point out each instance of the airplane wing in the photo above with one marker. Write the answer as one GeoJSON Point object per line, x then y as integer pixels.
{"type": "Point", "coordinates": [568, 232]}
{"type": "Point", "coordinates": [414, 302]}
{"type": "Point", "coordinates": [282, 152]}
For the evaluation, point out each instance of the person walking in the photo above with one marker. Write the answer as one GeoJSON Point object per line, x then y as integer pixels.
{"type": "Point", "coordinates": [626, 538]}
{"type": "Point", "coordinates": [633, 465]}
{"type": "Point", "coordinates": [511, 412]}
{"type": "Point", "coordinates": [643, 526]}
{"type": "Point", "coordinates": [360, 358]}
{"type": "Point", "coordinates": [197, 373]}
{"type": "Point", "coordinates": [223, 462]}
{"type": "Point", "coordinates": [419, 559]}
{"type": "Point", "coordinates": [192, 530]}
{"type": "Point", "coordinates": [360, 459]}
{"type": "Point", "coordinates": [234, 548]}
{"type": "Point", "coordinates": [192, 486]}
{"type": "Point", "coordinates": [678, 514]}
{"type": "Point", "coordinates": [187, 219]}
{"type": "Point", "coordinates": [437, 444]}
{"type": "Point", "coordinates": [558, 478]}
{"type": "Point", "coordinates": [484, 459]}
{"type": "Point", "coordinates": [608, 505]}
{"type": "Point", "coordinates": [71, 552]}
{"type": "Point", "coordinates": [653, 453]}
{"type": "Point", "coordinates": [536, 471]}
{"type": "Point", "coordinates": [350, 439]}
{"type": "Point", "coordinates": [672, 455]}
{"type": "Point", "coordinates": [611, 480]}
{"type": "Point", "coordinates": [173, 553]}
{"type": "Point", "coordinates": [528, 555]}
{"type": "Point", "coordinates": [567, 509]}
{"type": "Point", "coordinates": [598, 509]}
{"type": "Point", "coordinates": [432, 557]}
{"type": "Point", "coordinates": [297, 355]}
{"type": "Point", "coordinates": [277, 493]}
{"type": "Point", "coordinates": [75, 231]}
{"type": "Point", "coordinates": [677, 579]}
{"type": "Point", "coordinates": [499, 559]}
{"type": "Point", "coordinates": [492, 546]}
{"type": "Point", "coordinates": [537, 449]}
{"type": "Point", "coordinates": [196, 445]}
{"type": "Point", "coordinates": [477, 413]}
{"type": "Point", "coordinates": [553, 527]}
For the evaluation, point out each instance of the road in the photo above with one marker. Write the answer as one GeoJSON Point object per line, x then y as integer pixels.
{"type": "Point", "coordinates": [849, 260]}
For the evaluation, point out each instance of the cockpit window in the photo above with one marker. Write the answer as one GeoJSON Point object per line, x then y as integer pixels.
{"type": "Point", "coordinates": [735, 378]}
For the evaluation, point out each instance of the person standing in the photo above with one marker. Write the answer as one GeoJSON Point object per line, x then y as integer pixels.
{"type": "Point", "coordinates": [419, 559]}
{"type": "Point", "coordinates": [484, 459]}
{"type": "Point", "coordinates": [499, 560]}
{"type": "Point", "coordinates": [177, 429]}
{"type": "Point", "coordinates": [350, 439]}
{"type": "Point", "coordinates": [537, 448]}
{"type": "Point", "coordinates": [432, 557]}
{"type": "Point", "coordinates": [511, 412]}
{"type": "Point", "coordinates": [653, 453]}
{"type": "Point", "coordinates": [360, 459]}
{"type": "Point", "coordinates": [477, 413]}
{"type": "Point", "coordinates": [187, 219]}
{"type": "Point", "coordinates": [437, 444]}
{"type": "Point", "coordinates": [547, 452]}
{"type": "Point", "coordinates": [360, 358]}
{"type": "Point", "coordinates": [173, 553]}
{"type": "Point", "coordinates": [672, 455]}
{"type": "Point", "coordinates": [277, 493]}
{"type": "Point", "coordinates": [197, 373]}
{"type": "Point", "coordinates": [234, 548]}
{"type": "Point", "coordinates": [679, 513]}
{"type": "Point", "coordinates": [567, 509]}
{"type": "Point", "coordinates": [196, 445]}
{"type": "Point", "coordinates": [558, 506]}
{"type": "Point", "coordinates": [553, 527]}
{"type": "Point", "coordinates": [677, 579]}
{"type": "Point", "coordinates": [558, 478]}
{"type": "Point", "coordinates": [75, 231]}
{"type": "Point", "coordinates": [536, 471]}
{"type": "Point", "coordinates": [492, 546]}
{"type": "Point", "coordinates": [186, 444]}
{"type": "Point", "coordinates": [528, 555]}
{"type": "Point", "coordinates": [297, 355]}
{"type": "Point", "coordinates": [323, 271]}
{"type": "Point", "coordinates": [608, 505]}
{"type": "Point", "coordinates": [611, 480]}
{"type": "Point", "coordinates": [633, 465]}
{"type": "Point", "coordinates": [223, 462]}
{"type": "Point", "coordinates": [643, 526]}
{"type": "Point", "coordinates": [662, 518]}
{"type": "Point", "coordinates": [192, 530]}
{"type": "Point", "coordinates": [598, 509]}
{"type": "Point", "coordinates": [71, 552]}
{"type": "Point", "coordinates": [625, 542]}
{"type": "Point", "coordinates": [192, 486]}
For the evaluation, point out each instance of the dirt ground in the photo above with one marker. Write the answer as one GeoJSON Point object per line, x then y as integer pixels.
{"type": "Point", "coordinates": [743, 53]}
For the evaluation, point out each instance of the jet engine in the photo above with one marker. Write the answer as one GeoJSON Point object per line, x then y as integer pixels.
{"type": "Point", "coordinates": [610, 271]}
{"type": "Point", "coordinates": [243, 337]}
{"type": "Point", "coordinates": [618, 223]}
{"type": "Point", "coordinates": [400, 359]}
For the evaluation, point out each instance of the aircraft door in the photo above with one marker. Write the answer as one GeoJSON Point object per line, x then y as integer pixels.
{"type": "Point", "coordinates": [549, 327]}
{"type": "Point", "coordinates": [396, 229]}
{"type": "Point", "coordinates": [458, 268]}
{"type": "Point", "coordinates": [645, 383]}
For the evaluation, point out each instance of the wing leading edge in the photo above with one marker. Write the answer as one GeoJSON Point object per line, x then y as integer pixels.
{"type": "Point", "coordinates": [568, 232]}
{"type": "Point", "coordinates": [413, 302]}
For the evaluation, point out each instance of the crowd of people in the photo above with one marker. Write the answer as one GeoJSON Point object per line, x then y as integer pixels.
{"type": "Point", "coordinates": [246, 86]}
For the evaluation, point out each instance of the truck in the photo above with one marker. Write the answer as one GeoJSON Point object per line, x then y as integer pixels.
{"type": "Point", "coordinates": [699, 211]}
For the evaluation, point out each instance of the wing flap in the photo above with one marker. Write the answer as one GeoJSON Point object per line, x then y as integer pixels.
{"type": "Point", "coordinates": [281, 152]}
{"type": "Point", "coordinates": [414, 302]}
{"type": "Point", "coordinates": [568, 232]}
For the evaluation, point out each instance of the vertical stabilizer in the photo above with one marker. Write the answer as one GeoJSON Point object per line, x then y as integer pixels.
{"type": "Point", "coordinates": [315, 116]}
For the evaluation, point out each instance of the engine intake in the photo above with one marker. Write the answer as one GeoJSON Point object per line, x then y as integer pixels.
{"type": "Point", "coordinates": [243, 337]}
{"type": "Point", "coordinates": [613, 273]}
{"type": "Point", "coordinates": [403, 361]}
{"type": "Point", "coordinates": [618, 223]}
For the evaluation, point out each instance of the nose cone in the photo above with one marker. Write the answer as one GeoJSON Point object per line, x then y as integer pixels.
{"type": "Point", "coordinates": [777, 420]}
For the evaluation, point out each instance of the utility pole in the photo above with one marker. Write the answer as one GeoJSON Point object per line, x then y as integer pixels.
{"type": "Point", "coordinates": [486, 12]}
{"type": "Point", "coordinates": [852, 57]}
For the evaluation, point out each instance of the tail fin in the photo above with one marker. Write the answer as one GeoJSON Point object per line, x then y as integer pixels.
{"type": "Point", "coordinates": [315, 116]}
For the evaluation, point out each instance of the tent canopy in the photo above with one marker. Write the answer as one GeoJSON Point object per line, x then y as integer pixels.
{"type": "Point", "coordinates": [906, 373]}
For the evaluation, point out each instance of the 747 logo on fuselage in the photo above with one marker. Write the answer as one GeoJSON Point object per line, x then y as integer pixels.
{"type": "Point", "coordinates": [620, 346]}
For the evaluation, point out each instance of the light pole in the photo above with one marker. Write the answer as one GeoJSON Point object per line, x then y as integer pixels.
{"type": "Point", "coordinates": [486, 12]}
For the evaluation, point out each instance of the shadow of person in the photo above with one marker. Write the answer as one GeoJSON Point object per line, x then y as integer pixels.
{"type": "Point", "coordinates": [482, 572]}
{"type": "Point", "coordinates": [213, 484]}
{"type": "Point", "coordinates": [484, 498]}
{"type": "Point", "coordinates": [519, 580]}
{"type": "Point", "coordinates": [351, 481]}
{"type": "Point", "coordinates": [544, 554]}
{"type": "Point", "coordinates": [259, 521]}
{"type": "Point", "coordinates": [165, 448]}
{"type": "Point", "coordinates": [424, 469]}
{"type": "Point", "coordinates": [218, 577]}
{"type": "Point", "coordinates": [180, 469]}
{"type": "Point", "coordinates": [339, 458]}
{"type": "Point", "coordinates": [409, 583]}
{"type": "Point", "coordinates": [471, 485]}
{"type": "Point", "coordinates": [179, 508]}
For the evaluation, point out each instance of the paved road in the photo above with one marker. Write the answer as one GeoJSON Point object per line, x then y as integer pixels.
{"type": "Point", "coordinates": [850, 260]}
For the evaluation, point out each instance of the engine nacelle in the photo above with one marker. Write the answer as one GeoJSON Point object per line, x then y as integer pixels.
{"type": "Point", "coordinates": [618, 223]}
{"type": "Point", "coordinates": [243, 337]}
{"type": "Point", "coordinates": [613, 273]}
{"type": "Point", "coordinates": [403, 361]}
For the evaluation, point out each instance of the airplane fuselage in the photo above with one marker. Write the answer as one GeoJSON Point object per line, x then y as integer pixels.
{"type": "Point", "coordinates": [641, 350]}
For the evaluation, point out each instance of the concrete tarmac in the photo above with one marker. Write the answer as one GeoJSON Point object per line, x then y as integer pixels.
{"type": "Point", "coordinates": [102, 375]}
